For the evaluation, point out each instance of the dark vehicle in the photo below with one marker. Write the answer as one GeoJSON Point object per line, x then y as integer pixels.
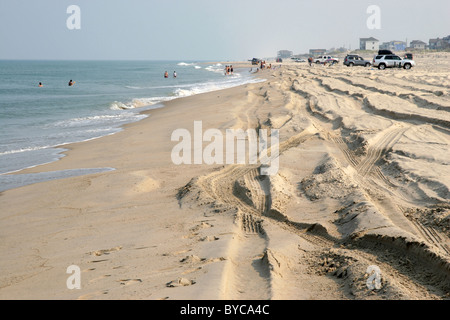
{"type": "Point", "coordinates": [384, 52]}
{"type": "Point", "coordinates": [355, 60]}
{"type": "Point", "coordinates": [409, 56]}
{"type": "Point", "coordinates": [255, 61]}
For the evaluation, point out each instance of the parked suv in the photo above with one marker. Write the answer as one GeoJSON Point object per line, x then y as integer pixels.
{"type": "Point", "coordinates": [392, 61]}
{"type": "Point", "coordinates": [355, 60]}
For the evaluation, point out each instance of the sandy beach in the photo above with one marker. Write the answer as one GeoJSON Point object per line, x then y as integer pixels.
{"type": "Point", "coordinates": [363, 181]}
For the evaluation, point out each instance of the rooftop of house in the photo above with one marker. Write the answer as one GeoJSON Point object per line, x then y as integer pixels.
{"type": "Point", "coordinates": [417, 42]}
{"type": "Point", "coordinates": [368, 39]}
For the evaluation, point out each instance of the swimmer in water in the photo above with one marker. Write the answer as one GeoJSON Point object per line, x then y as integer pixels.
{"type": "Point", "coordinates": [71, 83]}
{"type": "Point", "coordinates": [166, 74]}
{"type": "Point", "coordinates": [40, 84]}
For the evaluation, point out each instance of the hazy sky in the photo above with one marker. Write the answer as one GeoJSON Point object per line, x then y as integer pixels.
{"type": "Point", "coordinates": [207, 29]}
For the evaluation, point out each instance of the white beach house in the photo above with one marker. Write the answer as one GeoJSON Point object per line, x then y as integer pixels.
{"type": "Point", "coordinates": [369, 44]}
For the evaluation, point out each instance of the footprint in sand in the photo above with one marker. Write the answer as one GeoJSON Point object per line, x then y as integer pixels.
{"type": "Point", "coordinates": [98, 261]}
{"type": "Point", "coordinates": [103, 252]}
{"type": "Point", "coordinates": [193, 259]}
{"type": "Point", "coordinates": [197, 228]}
{"type": "Point", "coordinates": [99, 253]}
{"type": "Point", "coordinates": [127, 282]}
{"type": "Point", "coordinates": [92, 295]}
{"type": "Point", "coordinates": [180, 282]}
{"type": "Point", "coordinates": [99, 278]}
{"type": "Point", "coordinates": [209, 238]}
{"type": "Point", "coordinates": [201, 226]}
{"type": "Point", "coordinates": [194, 262]}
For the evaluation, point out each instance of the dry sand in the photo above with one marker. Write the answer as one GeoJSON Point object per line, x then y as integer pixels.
{"type": "Point", "coordinates": [364, 180]}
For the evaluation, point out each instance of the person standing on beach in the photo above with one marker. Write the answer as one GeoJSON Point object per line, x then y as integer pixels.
{"type": "Point", "coordinates": [231, 69]}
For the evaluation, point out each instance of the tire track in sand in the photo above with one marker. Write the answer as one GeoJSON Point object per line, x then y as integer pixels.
{"type": "Point", "coordinates": [377, 150]}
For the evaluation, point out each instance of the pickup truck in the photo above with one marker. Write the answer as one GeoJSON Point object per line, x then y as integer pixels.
{"type": "Point", "coordinates": [326, 59]}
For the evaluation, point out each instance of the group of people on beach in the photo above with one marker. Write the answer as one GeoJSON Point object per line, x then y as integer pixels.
{"type": "Point", "coordinates": [229, 70]}
{"type": "Point", "coordinates": [264, 66]}
{"type": "Point", "coordinates": [166, 74]}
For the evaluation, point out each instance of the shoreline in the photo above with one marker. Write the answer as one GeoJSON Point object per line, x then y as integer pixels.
{"type": "Point", "coordinates": [147, 110]}
{"type": "Point", "coordinates": [128, 182]}
{"type": "Point", "coordinates": [351, 192]}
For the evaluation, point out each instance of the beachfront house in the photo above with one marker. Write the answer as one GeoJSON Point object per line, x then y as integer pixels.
{"type": "Point", "coordinates": [317, 52]}
{"type": "Point", "coordinates": [393, 46]}
{"type": "Point", "coordinates": [370, 44]}
{"type": "Point", "coordinates": [418, 45]}
{"type": "Point", "coordinates": [285, 54]}
{"type": "Point", "coordinates": [439, 44]}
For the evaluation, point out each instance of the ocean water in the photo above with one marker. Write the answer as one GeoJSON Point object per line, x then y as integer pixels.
{"type": "Point", "coordinates": [35, 120]}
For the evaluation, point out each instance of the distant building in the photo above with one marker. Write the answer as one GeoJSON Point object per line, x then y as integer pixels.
{"type": "Point", "coordinates": [434, 44]}
{"type": "Point", "coordinates": [317, 52]}
{"type": "Point", "coordinates": [393, 46]}
{"type": "Point", "coordinates": [300, 56]}
{"type": "Point", "coordinates": [337, 50]}
{"type": "Point", "coordinates": [439, 44]}
{"type": "Point", "coordinates": [369, 44]}
{"type": "Point", "coordinates": [418, 45]}
{"type": "Point", "coordinates": [284, 54]}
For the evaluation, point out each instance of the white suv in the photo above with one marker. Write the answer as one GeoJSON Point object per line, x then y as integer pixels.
{"type": "Point", "coordinates": [392, 61]}
{"type": "Point", "coordinates": [324, 59]}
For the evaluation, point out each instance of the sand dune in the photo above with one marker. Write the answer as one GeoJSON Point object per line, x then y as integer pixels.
{"type": "Point", "coordinates": [363, 181]}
